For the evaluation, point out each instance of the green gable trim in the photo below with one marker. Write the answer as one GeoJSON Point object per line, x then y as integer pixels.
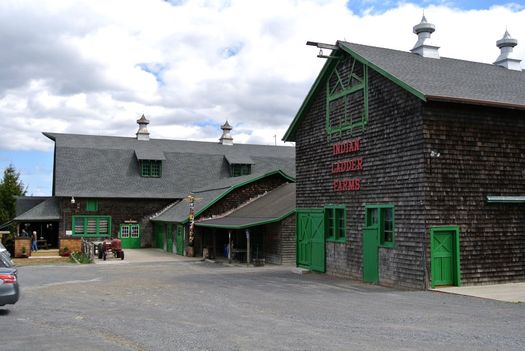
{"type": "Point", "coordinates": [234, 187]}
{"type": "Point", "coordinates": [384, 73]}
{"type": "Point", "coordinates": [323, 76]}
{"type": "Point", "coordinates": [244, 226]}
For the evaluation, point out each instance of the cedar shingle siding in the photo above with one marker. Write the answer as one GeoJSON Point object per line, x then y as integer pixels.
{"type": "Point", "coordinates": [482, 152]}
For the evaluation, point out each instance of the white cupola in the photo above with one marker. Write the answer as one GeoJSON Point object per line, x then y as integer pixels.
{"type": "Point", "coordinates": [424, 46]}
{"type": "Point", "coordinates": [226, 138]}
{"type": "Point", "coordinates": [505, 58]}
{"type": "Point", "coordinates": [142, 133]}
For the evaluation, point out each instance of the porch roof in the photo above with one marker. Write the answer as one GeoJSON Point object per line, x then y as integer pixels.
{"type": "Point", "coordinates": [269, 208]}
{"type": "Point", "coordinates": [47, 210]}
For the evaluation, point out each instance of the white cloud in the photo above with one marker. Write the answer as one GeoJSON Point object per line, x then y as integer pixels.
{"type": "Point", "coordinates": [93, 66]}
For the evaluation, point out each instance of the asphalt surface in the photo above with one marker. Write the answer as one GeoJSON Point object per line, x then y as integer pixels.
{"type": "Point", "coordinates": [191, 305]}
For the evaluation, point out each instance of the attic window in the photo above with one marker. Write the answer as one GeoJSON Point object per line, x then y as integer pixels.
{"type": "Point", "coordinates": [151, 168]}
{"type": "Point", "coordinates": [237, 170]}
{"type": "Point", "coordinates": [347, 97]}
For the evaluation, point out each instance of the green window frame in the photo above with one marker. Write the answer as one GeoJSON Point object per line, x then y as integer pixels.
{"type": "Point", "coordinates": [91, 226]}
{"type": "Point", "coordinates": [238, 170]}
{"type": "Point", "coordinates": [382, 216]}
{"type": "Point", "coordinates": [91, 205]}
{"type": "Point", "coordinates": [151, 168]}
{"type": "Point", "coordinates": [335, 220]}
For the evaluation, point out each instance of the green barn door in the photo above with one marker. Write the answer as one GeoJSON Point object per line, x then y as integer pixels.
{"type": "Point", "coordinates": [179, 240]}
{"type": "Point", "coordinates": [310, 239]}
{"type": "Point", "coordinates": [444, 253]}
{"type": "Point", "coordinates": [158, 231]}
{"type": "Point", "coordinates": [129, 234]}
{"type": "Point", "coordinates": [169, 237]}
{"type": "Point", "coordinates": [371, 254]}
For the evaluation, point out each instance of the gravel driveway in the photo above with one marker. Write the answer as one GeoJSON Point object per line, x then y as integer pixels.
{"type": "Point", "coordinates": [192, 305]}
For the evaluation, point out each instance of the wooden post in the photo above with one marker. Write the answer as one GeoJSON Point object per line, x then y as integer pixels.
{"type": "Point", "coordinates": [229, 246]}
{"type": "Point", "coordinates": [248, 258]}
{"type": "Point", "coordinates": [214, 243]}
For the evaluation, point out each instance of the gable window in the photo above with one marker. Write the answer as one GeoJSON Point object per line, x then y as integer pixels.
{"type": "Point", "coordinates": [151, 168]}
{"type": "Point", "coordinates": [335, 219]}
{"type": "Point", "coordinates": [347, 97]}
{"type": "Point", "coordinates": [91, 205]}
{"type": "Point", "coordinates": [91, 226]}
{"type": "Point", "coordinates": [237, 170]}
{"type": "Point", "coordinates": [382, 217]}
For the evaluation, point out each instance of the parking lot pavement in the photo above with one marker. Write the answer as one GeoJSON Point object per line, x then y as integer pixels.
{"type": "Point", "coordinates": [194, 305]}
{"type": "Point", "coordinates": [145, 255]}
{"type": "Point", "coordinates": [509, 292]}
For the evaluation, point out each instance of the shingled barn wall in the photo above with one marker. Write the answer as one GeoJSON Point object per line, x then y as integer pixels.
{"type": "Point", "coordinates": [393, 165]}
{"type": "Point", "coordinates": [120, 210]}
{"type": "Point", "coordinates": [482, 152]}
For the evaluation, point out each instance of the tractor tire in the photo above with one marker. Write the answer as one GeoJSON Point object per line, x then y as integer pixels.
{"type": "Point", "coordinates": [104, 256]}
{"type": "Point", "coordinates": [121, 255]}
{"type": "Point", "coordinates": [99, 254]}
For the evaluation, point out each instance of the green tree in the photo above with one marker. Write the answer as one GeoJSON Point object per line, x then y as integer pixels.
{"type": "Point", "coordinates": [10, 187]}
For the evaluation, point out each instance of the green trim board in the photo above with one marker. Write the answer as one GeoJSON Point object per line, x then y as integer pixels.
{"type": "Point", "coordinates": [91, 226]}
{"type": "Point", "coordinates": [244, 226]}
{"type": "Point", "coordinates": [445, 256]}
{"type": "Point", "coordinates": [324, 75]}
{"type": "Point", "coordinates": [236, 186]}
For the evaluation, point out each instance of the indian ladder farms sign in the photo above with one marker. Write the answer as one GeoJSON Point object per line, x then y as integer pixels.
{"type": "Point", "coordinates": [347, 166]}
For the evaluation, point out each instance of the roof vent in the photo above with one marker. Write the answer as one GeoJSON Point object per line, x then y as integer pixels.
{"type": "Point", "coordinates": [142, 133]}
{"type": "Point", "coordinates": [505, 59]}
{"type": "Point", "coordinates": [226, 138]}
{"type": "Point", "coordinates": [424, 46]}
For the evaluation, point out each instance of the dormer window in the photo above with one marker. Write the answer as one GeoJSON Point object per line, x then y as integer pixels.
{"type": "Point", "coordinates": [151, 168]}
{"type": "Point", "coordinates": [237, 170]}
{"type": "Point", "coordinates": [240, 164]}
{"type": "Point", "coordinates": [150, 161]}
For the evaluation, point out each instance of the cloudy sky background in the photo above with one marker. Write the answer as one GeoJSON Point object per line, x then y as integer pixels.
{"type": "Point", "coordinates": [94, 66]}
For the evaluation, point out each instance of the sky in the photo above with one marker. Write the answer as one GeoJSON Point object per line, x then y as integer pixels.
{"type": "Point", "coordinates": [95, 66]}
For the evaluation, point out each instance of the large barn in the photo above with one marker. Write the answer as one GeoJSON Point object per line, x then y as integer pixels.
{"type": "Point", "coordinates": [411, 166]}
{"type": "Point", "coordinates": [105, 186]}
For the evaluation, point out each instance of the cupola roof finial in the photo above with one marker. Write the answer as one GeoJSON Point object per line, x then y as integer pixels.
{"type": "Point", "coordinates": [424, 46]}
{"type": "Point", "coordinates": [506, 57]}
{"type": "Point", "coordinates": [143, 133]}
{"type": "Point", "coordinates": [226, 138]}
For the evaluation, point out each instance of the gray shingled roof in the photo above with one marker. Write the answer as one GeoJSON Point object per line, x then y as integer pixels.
{"type": "Point", "coordinates": [25, 203]}
{"type": "Point", "coordinates": [238, 159]}
{"type": "Point", "coordinates": [104, 166]}
{"type": "Point", "coordinates": [47, 210]}
{"type": "Point", "coordinates": [271, 207]}
{"type": "Point", "coordinates": [446, 77]}
{"type": "Point", "coordinates": [207, 195]}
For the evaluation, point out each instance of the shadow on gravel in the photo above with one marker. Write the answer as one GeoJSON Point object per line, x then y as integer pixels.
{"type": "Point", "coordinates": [4, 312]}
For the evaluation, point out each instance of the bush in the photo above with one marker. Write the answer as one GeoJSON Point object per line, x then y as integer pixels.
{"type": "Point", "coordinates": [80, 257]}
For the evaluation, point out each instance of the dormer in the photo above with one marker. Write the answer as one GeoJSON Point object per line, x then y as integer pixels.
{"type": "Point", "coordinates": [150, 162]}
{"type": "Point", "coordinates": [240, 165]}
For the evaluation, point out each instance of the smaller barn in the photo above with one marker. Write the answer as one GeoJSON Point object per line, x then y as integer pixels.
{"type": "Point", "coordinates": [245, 219]}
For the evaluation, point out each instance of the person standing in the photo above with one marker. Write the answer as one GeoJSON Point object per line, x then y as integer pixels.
{"type": "Point", "coordinates": [34, 238]}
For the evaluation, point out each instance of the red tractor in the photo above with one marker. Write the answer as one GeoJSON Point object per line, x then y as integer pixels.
{"type": "Point", "coordinates": [110, 246]}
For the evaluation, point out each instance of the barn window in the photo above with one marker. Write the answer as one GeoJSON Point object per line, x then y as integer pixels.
{"type": "Point", "coordinates": [347, 97]}
{"type": "Point", "coordinates": [151, 168]}
{"type": "Point", "coordinates": [97, 226]}
{"type": "Point", "coordinates": [335, 219]}
{"type": "Point", "coordinates": [238, 170]}
{"type": "Point", "coordinates": [382, 218]}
